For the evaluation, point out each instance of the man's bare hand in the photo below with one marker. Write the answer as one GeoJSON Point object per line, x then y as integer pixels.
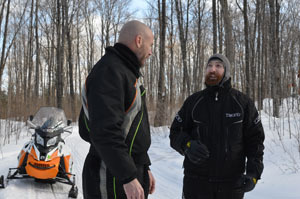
{"type": "Point", "coordinates": [134, 190]}
{"type": "Point", "coordinates": [152, 182]}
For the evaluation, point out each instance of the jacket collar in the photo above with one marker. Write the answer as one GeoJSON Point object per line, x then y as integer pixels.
{"type": "Point", "coordinates": [129, 57]}
{"type": "Point", "coordinates": [221, 89]}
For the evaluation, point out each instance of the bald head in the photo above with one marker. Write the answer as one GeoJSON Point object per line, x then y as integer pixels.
{"type": "Point", "coordinates": [138, 37]}
{"type": "Point", "coordinates": [132, 29]}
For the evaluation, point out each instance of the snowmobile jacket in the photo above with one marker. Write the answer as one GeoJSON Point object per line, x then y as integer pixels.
{"type": "Point", "coordinates": [227, 122]}
{"type": "Point", "coordinates": [117, 113]}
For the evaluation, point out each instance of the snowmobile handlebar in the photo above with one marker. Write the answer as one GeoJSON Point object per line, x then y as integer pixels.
{"type": "Point", "coordinates": [31, 125]}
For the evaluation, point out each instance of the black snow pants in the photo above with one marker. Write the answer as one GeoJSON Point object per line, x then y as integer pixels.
{"type": "Point", "coordinates": [197, 188]}
{"type": "Point", "coordinates": [99, 183]}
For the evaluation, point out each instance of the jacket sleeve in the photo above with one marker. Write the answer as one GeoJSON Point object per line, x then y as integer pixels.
{"type": "Point", "coordinates": [253, 138]}
{"type": "Point", "coordinates": [106, 95]}
{"type": "Point", "coordinates": [180, 128]}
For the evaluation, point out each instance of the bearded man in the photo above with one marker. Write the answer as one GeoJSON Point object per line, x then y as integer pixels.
{"type": "Point", "coordinates": [219, 132]}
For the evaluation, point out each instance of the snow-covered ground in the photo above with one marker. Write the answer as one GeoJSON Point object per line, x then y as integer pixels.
{"type": "Point", "coordinates": [279, 180]}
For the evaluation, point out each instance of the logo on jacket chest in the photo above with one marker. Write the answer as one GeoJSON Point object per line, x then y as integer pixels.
{"type": "Point", "coordinates": [178, 118]}
{"type": "Point", "coordinates": [232, 115]}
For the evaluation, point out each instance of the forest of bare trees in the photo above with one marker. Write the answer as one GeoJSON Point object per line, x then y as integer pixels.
{"type": "Point", "coordinates": [47, 48]}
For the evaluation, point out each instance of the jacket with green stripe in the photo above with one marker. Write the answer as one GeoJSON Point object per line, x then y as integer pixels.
{"type": "Point", "coordinates": [117, 113]}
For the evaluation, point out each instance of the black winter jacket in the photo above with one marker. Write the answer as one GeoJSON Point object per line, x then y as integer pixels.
{"type": "Point", "coordinates": [227, 122]}
{"type": "Point", "coordinates": [112, 89]}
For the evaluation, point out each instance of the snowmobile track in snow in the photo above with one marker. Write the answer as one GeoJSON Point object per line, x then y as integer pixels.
{"type": "Point", "coordinates": [52, 189]}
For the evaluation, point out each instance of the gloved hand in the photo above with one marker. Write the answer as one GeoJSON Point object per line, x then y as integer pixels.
{"type": "Point", "coordinates": [196, 152]}
{"type": "Point", "coordinates": [248, 183]}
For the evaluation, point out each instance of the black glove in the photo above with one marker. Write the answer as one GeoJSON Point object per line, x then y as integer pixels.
{"type": "Point", "coordinates": [248, 183]}
{"type": "Point", "coordinates": [196, 152]}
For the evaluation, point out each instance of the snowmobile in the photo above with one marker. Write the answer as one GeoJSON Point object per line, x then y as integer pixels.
{"type": "Point", "coordinates": [45, 157]}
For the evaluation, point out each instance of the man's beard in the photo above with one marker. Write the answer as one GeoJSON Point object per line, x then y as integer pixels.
{"type": "Point", "coordinates": [213, 79]}
{"type": "Point", "coordinates": [142, 57]}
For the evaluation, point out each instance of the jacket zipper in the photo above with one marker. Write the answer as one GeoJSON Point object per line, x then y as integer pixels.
{"type": "Point", "coordinates": [226, 143]}
{"type": "Point", "coordinates": [217, 94]}
{"type": "Point", "coordinates": [218, 142]}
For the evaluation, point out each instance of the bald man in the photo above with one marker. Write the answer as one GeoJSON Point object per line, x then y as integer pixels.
{"type": "Point", "coordinates": [115, 116]}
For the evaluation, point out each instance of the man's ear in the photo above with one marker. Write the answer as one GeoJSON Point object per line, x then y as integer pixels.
{"type": "Point", "coordinates": [138, 41]}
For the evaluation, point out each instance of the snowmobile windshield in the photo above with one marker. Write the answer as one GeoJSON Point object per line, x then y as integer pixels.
{"type": "Point", "coordinates": [50, 118]}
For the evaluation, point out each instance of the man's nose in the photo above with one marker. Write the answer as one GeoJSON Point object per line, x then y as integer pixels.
{"type": "Point", "coordinates": [212, 69]}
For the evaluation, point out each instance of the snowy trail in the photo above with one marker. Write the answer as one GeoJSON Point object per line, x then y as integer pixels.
{"type": "Point", "coordinates": [79, 150]}
{"type": "Point", "coordinates": [166, 168]}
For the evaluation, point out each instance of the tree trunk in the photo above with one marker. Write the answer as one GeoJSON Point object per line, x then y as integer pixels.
{"type": "Point", "coordinates": [4, 40]}
{"type": "Point", "coordinates": [171, 47]}
{"type": "Point", "coordinates": [298, 73]}
{"type": "Point", "coordinates": [59, 57]}
{"type": "Point", "coordinates": [1, 13]}
{"type": "Point", "coordinates": [183, 42]}
{"type": "Point", "coordinates": [37, 72]}
{"type": "Point", "coordinates": [214, 16]}
{"type": "Point", "coordinates": [278, 69]}
{"type": "Point", "coordinates": [246, 31]}
{"type": "Point", "coordinates": [229, 44]}
{"type": "Point", "coordinates": [198, 67]}
{"type": "Point", "coordinates": [68, 27]}
{"type": "Point", "coordinates": [274, 59]}
{"type": "Point", "coordinates": [78, 53]}
{"type": "Point", "coordinates": [259, 55]}
{"type": "Point", "coordinates": [220, 29]}
{"type": "Point", "coordinates": [265, 51]}
{"type": "Point", "coordinates": [160, 116]}
{"type": "Point", "coordinates": [30, 58]}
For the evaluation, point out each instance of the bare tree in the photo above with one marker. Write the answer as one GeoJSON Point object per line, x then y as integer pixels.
{"type": "Point", "coordinates": [78, 63]}
{"type": "Point", "coordinates": [229, 44]}
{"type": "Point", "coordinates": [183, 34]}
{"type": "Point", "coordinates": [37, 62]}
{"type": "Point", "coordinates": [89, 28]}
{"type": "Point", "coordinates": [172, 37]}
{"type": "Point", "coordinates": [30, 55]}
{"type": "Point", "coordinates": [247, 55]}
{"type": "Point", "coordinates": [220, 28]}
{"type": "Point", "coordinates": [59, 53]}
{"type": "Point", "coordinates": [259, 56]}
{"type": "Point", "coordinates": [2, 59]}
{"type": "Point", "coordinates": [274, 47]}
{"type": "Point", "coordinates": [214, 19]}
{"type": "Point", "coordinates": [161, 96]}
{"type": "Point", "coordinates": [199, 13]}
{"type": "Point", "coordinates": [68, 28]}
